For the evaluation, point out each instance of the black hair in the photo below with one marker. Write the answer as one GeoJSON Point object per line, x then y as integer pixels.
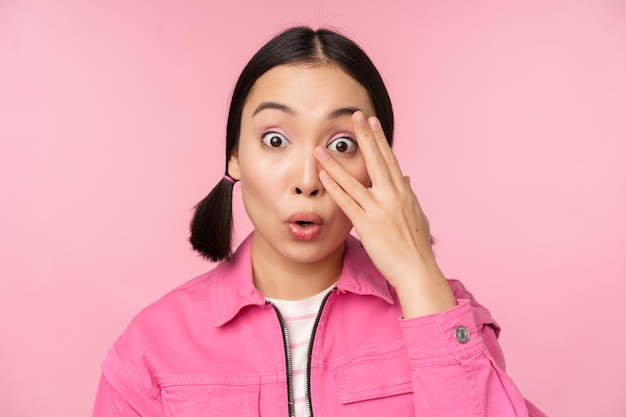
{"type": "Point", "coordinates": [211, 226]}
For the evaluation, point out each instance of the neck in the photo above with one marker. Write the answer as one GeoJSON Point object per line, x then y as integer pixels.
{"type": "Point", "coordinates": [278, 277]}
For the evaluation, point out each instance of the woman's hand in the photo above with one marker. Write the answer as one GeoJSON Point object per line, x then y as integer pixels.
{"type": "Point", "coordinates": [389, 220]}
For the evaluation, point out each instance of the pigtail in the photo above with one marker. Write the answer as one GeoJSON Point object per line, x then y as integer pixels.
{"type": "Point", "coordinates": [212, 223]}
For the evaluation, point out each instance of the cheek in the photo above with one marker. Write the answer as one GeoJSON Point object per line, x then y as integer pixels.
{"type": "Point", "coordinates": [263, 178]}
{"type": "Point", "coordinates": [254, 178]}
{"type": "Point", "coordinates": [357, 169]}
{"type": "Point", "coordinates": [265, 173]}
{"type": "Point", "coordinates": [252, 163]}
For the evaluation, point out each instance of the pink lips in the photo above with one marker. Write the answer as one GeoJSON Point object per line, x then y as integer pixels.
{"type": "Point", "coordinates": [304, 226]}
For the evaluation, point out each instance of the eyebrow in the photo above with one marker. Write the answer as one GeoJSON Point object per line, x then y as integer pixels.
{"type": "Point", "coordinates": [343, 111]}
{"type": "Point", "coordinates": [276, 106]}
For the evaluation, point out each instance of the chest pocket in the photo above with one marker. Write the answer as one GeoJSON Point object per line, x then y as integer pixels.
{"type": "Point", "coordinates": [209, 396]}
{"type": "Point", "coordinates": [376, 385]}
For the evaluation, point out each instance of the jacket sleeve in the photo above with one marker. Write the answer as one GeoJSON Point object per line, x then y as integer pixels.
{"type": "Point", "coordinates": [109, 403]}
{"type": "Point", "coordinates": [457, 364]}
{"type": "Point", "coordinates": [126, 392]}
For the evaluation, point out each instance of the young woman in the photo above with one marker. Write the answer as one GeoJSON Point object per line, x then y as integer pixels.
{"type": "Point", "coordinates": [304, 319]}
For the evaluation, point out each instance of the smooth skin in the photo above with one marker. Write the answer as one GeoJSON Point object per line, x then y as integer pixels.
{"type": "Point", "coordinates": [310, 142]}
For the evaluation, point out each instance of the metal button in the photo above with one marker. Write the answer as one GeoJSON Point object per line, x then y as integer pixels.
{"type": "Point", "coordinates": [462, 334]}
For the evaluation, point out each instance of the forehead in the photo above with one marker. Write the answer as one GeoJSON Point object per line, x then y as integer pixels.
{"type": "Point", "coordinates": [320, 87]}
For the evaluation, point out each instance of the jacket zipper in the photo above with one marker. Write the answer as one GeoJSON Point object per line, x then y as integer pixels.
{"type": "Point", "coordinates": [283, 327]}
{"type": "Point", "coordinates": [307, 381]}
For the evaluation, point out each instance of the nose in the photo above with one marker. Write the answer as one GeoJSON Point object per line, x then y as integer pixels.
{"type": "Point", "coordinates": [306, 178]}
{"type": "Point", "coordinates": [312, 193]}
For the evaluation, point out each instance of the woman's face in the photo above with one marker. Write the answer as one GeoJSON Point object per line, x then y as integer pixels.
{"type": "Point", "coordinates": [291, 110]}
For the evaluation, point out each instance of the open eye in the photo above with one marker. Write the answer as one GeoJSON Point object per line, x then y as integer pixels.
{"type": "Point", "coordinates": [274, 140]}
{"type": "Point", "coordinates": [342, 145]}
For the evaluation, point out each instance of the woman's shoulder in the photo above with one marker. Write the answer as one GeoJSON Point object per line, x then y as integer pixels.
{"type": "Point", "coordinates": [158, 330]}
{"type": "Point", "coordinates": [187, 301]}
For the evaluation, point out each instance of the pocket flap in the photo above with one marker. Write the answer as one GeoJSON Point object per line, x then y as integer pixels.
{"type": "Point", "coordinates": [374, 377]}
{"type": "Point", "coordinates": [187, 396]}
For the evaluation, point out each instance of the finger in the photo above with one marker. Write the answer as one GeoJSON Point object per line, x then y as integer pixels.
{"type": "Point", "coordinates": [374, 160]}
{"type": "Point", "coordinates": [345, 202]}
{"type": "Point", "coordinates": [342, 178]}
{"type": "Point", "coordinates": [385, 150]}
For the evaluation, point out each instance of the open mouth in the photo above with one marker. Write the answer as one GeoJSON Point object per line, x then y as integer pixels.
{"type": "Point", "coordinates": [303, 223]}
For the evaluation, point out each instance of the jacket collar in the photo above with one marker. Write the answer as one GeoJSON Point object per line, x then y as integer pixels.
{"type": "Point", "coordinates": [233, 285]}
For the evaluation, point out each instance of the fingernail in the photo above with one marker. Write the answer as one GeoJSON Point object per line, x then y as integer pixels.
{"type": "Point", "coordinates": [360, 119]}
{"type": "Point", "coordinates": [321, 153]}
{"type": "Point", "coordinates": [374, 123]}
{"type": "Point", "coordinates": [324, 175]}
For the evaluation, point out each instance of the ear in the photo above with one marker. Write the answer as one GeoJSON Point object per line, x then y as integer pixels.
{"type": "Point", "coordinates": [233, 165]}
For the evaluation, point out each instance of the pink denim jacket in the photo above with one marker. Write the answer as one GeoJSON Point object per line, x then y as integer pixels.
{"type": "Point", "coordinates": [215, 347]}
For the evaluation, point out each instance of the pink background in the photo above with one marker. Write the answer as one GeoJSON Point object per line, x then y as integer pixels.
{"type": "Point", "coordinates": [510, 121]}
